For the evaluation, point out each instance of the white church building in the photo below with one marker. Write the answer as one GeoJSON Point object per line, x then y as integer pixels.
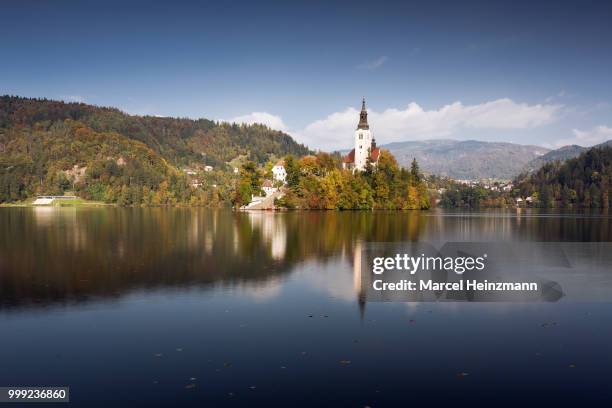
{"type": "Point", "coordinates": [365, 145]}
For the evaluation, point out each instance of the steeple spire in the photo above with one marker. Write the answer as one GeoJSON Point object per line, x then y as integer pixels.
{"type": "Point", "coordinates": [363, 116]}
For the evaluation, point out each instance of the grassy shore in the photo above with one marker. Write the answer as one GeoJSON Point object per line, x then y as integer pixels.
{"type": "Point", "coordinates": [77, 202]}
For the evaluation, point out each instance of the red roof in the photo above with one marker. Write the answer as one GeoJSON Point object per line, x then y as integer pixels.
{"type": "Point", "coordinates": [350, 158]}
{"type": "Point", "coordinates": [375, 153]}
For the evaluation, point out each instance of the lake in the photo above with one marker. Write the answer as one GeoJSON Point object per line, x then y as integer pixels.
{"type": "Point", "coordinates": [195, 307]}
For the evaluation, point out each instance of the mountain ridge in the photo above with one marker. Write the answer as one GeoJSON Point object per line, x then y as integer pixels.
{"type": "Point", "coordinates": [466, 159]}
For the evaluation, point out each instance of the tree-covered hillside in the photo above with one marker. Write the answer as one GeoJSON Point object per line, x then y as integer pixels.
{"type": "Point", "coordinates": [584, 181]}
{"type": "Point", "coordinates": [181, 141]}
{"type": "Point", "coordinates": [104, 166]}
{"type": "Point", "coordinates": [50, 147]}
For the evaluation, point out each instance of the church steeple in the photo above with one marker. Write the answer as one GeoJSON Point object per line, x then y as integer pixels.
{"type": "Point", "coordinates": [363, 117]}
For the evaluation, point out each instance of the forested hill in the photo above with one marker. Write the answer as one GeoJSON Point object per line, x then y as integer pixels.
{"type": "Point", "coordinates": [583, 181]}
{"type": "Point", "coordinates": [180, 141]}
{"type": "Point", "coordinates": [103, 154]}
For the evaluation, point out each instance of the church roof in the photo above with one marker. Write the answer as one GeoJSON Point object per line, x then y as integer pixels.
{"type": "Point", "coordinates": [375, 154]}
{"type": "Point", "coordinates": [350, 158]}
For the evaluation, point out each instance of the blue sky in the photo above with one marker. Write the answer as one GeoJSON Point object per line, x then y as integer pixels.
{"type": "Point", "coordinates": [499, 71]}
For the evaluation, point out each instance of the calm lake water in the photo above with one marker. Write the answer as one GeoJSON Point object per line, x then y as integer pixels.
{"type": "Point", "coordinates": [190, 307]}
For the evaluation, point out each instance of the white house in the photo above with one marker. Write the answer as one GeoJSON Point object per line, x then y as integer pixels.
{"type": "Point", "coordinates": [268, 187]}
{"type": "Point", "coordinates": [278, 171]}
{"type": "Point", "coordinates": [365, 145]}
{"type": "Point", "coordinates": [208, 168]}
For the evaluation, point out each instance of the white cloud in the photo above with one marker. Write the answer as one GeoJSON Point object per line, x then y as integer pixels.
{"type": "Point", "coordinates": [374, 64]}
{"type": "Point", "coordinates": [414, 122]}
{"type": "Point", "coordinates": [264, 118]}
{"type": "Point", "coordinates": [597, 135]}
{"type": "Point", "coordinates": [73, 98]}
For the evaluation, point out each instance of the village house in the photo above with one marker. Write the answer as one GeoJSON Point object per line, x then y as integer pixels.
{"type": "Point", "coordinates": [278, 171]}
{"type": "Point", "coordinates": [268, 187]}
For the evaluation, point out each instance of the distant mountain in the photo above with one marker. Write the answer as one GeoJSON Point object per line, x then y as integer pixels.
{"type": "Point", "coordinates": [561, 154]}
{"type": "Point", "coordinates": [468, 159]}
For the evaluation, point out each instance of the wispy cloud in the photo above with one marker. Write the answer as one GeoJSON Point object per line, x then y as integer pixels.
{"type": "Point", "coordinates": [596, 135]}
{"type": "Point", "coordinates": [374, 64]}
{"type": "Point", "coordinates": [264, 118]}
{"type": "Point", "coordinates": [560, 95]}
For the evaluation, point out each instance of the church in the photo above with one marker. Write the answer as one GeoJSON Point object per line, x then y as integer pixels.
{"type": "Point", "coordinates": [365, 145]}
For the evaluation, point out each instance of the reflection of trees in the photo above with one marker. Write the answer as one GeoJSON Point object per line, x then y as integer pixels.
{"type": "Point", "coordinates": [49, 254]}
{"type": "Point", "coordinates": [69, 254]}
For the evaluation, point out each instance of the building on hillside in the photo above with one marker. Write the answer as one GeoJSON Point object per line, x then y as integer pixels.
{"type": "Point", "coordinates": [365, 145]}
{"type": "Point", "coordinates": [208, 168]}
{"type": "Point", "coordinates": [268, 187]}
{"type": "Point", "coordinates": [279, 172]}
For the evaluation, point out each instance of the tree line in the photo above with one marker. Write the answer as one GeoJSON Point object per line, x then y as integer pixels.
{"type": "Point", "coordinates": [318, 182]}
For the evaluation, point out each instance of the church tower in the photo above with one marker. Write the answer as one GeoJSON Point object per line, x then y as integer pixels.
{"type": "Point", "coordinates": [363, 139]}
{"type": "Point", "coordinates": [365, 146]}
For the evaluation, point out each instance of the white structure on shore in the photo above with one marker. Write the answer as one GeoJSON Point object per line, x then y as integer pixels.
{"type": "Point", "coordinates": [48, 200]}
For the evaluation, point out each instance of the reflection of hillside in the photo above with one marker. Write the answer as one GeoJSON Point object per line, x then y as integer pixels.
{"type": "Point", "coordinates": [66, 254]}
{"type": "Point", "coordinates": [55, 254]}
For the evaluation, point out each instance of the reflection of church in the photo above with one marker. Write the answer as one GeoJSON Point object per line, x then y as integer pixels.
{"type": "Point", "coordinates": [358, 283]}
{"type": "Point", "coordinates": [365, 145]}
